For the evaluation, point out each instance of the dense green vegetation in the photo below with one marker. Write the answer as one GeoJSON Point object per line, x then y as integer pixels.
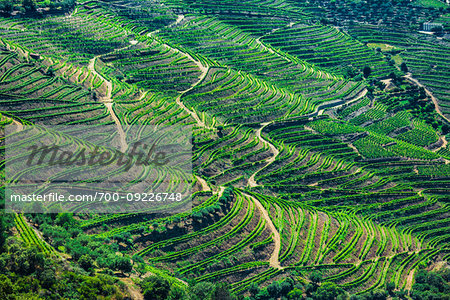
{"type": "Point", "coordinates": [29, 274]}
{"type": "Point", "coordinates": [33, 8]}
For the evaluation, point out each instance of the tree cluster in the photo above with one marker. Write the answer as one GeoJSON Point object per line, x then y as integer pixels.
{"type": "Point", "coordinates": [431, 285]}
{"type": "Point", "coordinates": [31, 7]}
{"type": "Point", "coordinates": [159, 288]}
{"type": "Point", "coordinates": [26, 273]}
{"type": "Point", "coordinates": [63, 232]}
{"type": "Point", "coordinates": [315, 289]}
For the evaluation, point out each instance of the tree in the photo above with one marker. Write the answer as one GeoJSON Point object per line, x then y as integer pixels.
{"type": "Point", "coordinates": [86, 262]}
{"type": "Point", "coordinates": [176, 293]}
{"type": "Point", "coordinates": [6, 6]}
{"type": "Point", "coordinates": [29, 6]}
{"type": "Point", "coordinates": [378, 295]}
{"type": "Point", "coordinates": [316, 277]}
{"type": "Point", "coordinates": [358, 77]}
{"type": "Point", "coordinates": [328, 291]}
{"type": "Point", "coordinates": [390, 287]}
{"type": "Point", "coordinates": [155, 288]}
{"type": "Point", "coordinates": [404, 67]}
{"type": "Point", "coordinates": [123, 264]}
{"type": "Point", "coordinates": [201, 290]}
{"type": "Point", "coordinates": [323, 21]}
{"type": "Point", "coordinates": [141, 269]}
{"type": "Point", "coordinates": [350, 72]}
{"type": "Point", "coordinates": [28, 260]}
{"type": "Point", "coordinates": [263, 294]}
{"type": "Point", "coordinates": [2, 231]}
{"type": "Point", "coordinates": [366, 71]}
{"type": "Point", "coordinates": [357, 297]}
{"type": "Point", "coordinates": [220, 131]}
{"type": "Point", "coordinates": [402, 294]}
{"type": "Point", "coordinates": [286, 286]}
{"type": "Point", "coordinates": [50, 72]}
{"type": "Point", "coordinates": [393, 76]}
{"type": "Point", "coordinates": [47, 278]}
{"type": "Point", "coordinates": [67, 4]}
{"type": "Point", "coordinates": [274, 289]}
{"type": "Point", "coordinates": [65, 220]}
{"type": "Point", "coordinates": [295, 294]}
{"type": "Point", "coordinates": [6, 287]}
{"type": "Point", "coordinates": [253, 289]}
{"type": "Point", "coordinates": [221, 292]}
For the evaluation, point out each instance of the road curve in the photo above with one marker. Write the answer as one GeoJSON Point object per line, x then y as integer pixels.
{"type": "Point", "coordinates": [107, 101]}
{"type": "Point", "coordinates": [274, 258]}
{"type": "Point", "coordinates": [273, 149]}
{"type": "Point", "coordinates": [433, 98]}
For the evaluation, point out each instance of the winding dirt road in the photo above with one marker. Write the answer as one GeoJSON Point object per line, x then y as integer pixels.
{"type": "Point", "coordinates": [179, 19]}
{"type": "Point", "coordinates": [203, 183]}
{"type": "Point", "coordinates": [18, 124]}
{"type": "Point", "coordinates": [91, 67]}
{"type": "Point", "coordinates": [204, 71]}
{"type": "Point", "coordinates": [444, 144]}
{"type": "Point", "coordinates": [319, 111]}
{"type": "Point", "coordinates": [435, 101]}
{"type": "Point", "coordinates": [258, 41]}
{"type": "Point", "coordinates": [134, 292]}
{"type": "Point", "coordinates": [273, 149]}
{"type": "Point", "coordinates": [409, 280]}
{"type": "Point", "coordinates": [107, 101]}
{"type": "Point", "coordinates": [202, 68]}
{"type": "Point", "coordinates": [122, 134]}
{"type": "Point", "coordinates": [181, 104]}
{"type": "Point", "coordinates": [273, 261]}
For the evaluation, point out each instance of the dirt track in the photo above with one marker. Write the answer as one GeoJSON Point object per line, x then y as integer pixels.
{"type": "Point", "coordinates": [193, 113]}
{"type": "Point", "coordinates": [435, 101]}
{"type": "Point", "coordinates": [273, 261]}
{"type": "Point", "coordinates": [273, 149]}
{"type": "Point", "coordinates": [203, 183]}
{"type": "Point", "coordinates": [107, 101]}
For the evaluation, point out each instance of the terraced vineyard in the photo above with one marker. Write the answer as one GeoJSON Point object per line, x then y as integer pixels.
{"type": "Point", "coordinates": [312, 152]}
{"type": "Point", "coordinates": [427, 61]}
